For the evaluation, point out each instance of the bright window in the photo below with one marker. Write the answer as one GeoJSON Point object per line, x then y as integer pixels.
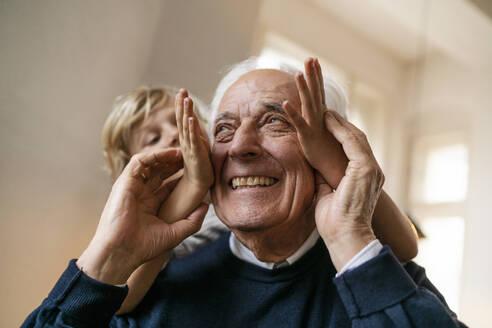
{"type": "Point", "coordinates": [438, 183]}
{"type": "Point", "coordinates": [446, 174]}
{"type": "Point", "coordinates": [441, 253]}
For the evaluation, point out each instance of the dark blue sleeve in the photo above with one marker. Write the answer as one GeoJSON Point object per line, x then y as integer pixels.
{"type": "Point", "coordinates": [383, 293]}
{"type": "Point", "coordinates": [78, 301]}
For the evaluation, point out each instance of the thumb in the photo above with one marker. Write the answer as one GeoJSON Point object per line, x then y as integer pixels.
{"type": "Point", "coordinates": [179, 230]}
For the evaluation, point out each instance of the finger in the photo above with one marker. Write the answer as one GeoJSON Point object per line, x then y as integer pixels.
{"type": "Point", "coordinates": [351, 127]}
{"type": "Point", "coordinates": [351, 144]}
{"type": "Point", "coordinates": [342, 120]}
{"type": "Point", "coordinates": [295, 116]}
{"type": "Point", "coordinates": [162, 174]}
{"type": "Point", "coordinates": [164, 156]}
{"type": "Point", "coordinates": [313, 83]}
{"type": "Point", "coordinates": [163, 191]}
{"type": "Point", "coordinates": [179, 114]}
{"type": "Point", "coordinates": [194, 133]}
{"type": "Point", "coordinates": [188, 112]}
{"type": "Point", "coordinates": [192, 115]}
{"type": "Point", "coordinates": [337, 129]}
{"type": "Point", "coordinates": [149, 165]}
{"type": "Point", "coordinates": [306, 100]}
{"type": "Point", "coordinates": [139, 166]}
{"type": "Point", "coordinates": [181, 229]}
{"type": "Point", "coordinates": [321, 83]}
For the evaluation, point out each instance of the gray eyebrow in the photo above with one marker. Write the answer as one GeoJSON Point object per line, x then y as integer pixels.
{"type": "Point", "coordinates": [275, 107]}
{"type": "Point", "coordinates": [271, 106]}
{"type": "Point", "coordinates": [225, 115]}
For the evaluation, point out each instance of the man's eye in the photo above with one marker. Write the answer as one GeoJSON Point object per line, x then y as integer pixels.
{"type": "Point", "coordinates": [274, 119]}
{"type": "Point", "coordinates": [221, 128]}
{"type": "Point", "coordinates": [223, 133]}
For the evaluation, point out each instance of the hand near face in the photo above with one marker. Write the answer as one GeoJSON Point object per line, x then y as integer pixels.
{"type": "Point", "coordinates": [194, 144]}
{"type": "Point", "coordinates": [129, 232]}
{"type": "Point", "coordinates": [322, 151]}
{"type": "Point", "coordinates": [343, 217]}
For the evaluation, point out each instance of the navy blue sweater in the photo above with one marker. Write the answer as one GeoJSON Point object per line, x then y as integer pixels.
{"type": "Point", "coordinates": [212, 288]}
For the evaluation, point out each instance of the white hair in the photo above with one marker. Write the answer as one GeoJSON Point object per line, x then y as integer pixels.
{"type": "Point", "coordinates": [335, 95]}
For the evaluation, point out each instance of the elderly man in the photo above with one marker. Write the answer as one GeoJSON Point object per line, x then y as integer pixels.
{"type": "Point", "coordinates": [300, 252]}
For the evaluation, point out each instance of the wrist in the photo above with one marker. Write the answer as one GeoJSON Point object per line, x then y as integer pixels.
{"type": "Point", "coordinates": [345, 245]}
{"type": "Point", "coordinates": [104, 265]}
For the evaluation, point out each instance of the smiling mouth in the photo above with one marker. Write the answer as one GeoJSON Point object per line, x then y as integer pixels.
{"type": "Point", "coordinates": [252, 182]}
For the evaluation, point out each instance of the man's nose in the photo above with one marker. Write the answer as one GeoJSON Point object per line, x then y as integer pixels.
{"type": "Point", "coordinates": [246, 143]}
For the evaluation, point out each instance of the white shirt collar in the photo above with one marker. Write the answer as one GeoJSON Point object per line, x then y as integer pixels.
{"type": "Point", "coordinates": [243, 253]}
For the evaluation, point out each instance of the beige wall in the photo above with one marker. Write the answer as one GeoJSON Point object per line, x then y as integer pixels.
{"type": "Point", "coordinates": [61, 64]}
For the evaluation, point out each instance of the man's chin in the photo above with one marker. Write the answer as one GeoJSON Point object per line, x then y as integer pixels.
{"type": "Point", "coordinates": [246, 221]}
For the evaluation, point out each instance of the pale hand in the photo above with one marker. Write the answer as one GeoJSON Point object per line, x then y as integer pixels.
{"type": "Point", "coordinates": [193, 143]}
{"type": "Point", "coordinates": [343, 217]}
{"type": "Point", "coordinates": [321, 149]}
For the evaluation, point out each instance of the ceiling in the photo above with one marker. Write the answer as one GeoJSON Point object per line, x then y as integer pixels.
{"type": "Point", "coordinates": [407, 29]}
{"type": "Point", "coordinates": [484, 5]}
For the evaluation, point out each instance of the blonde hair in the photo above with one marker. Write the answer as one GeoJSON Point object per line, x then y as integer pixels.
{"type": "Point", "coordinates": [129, 110]}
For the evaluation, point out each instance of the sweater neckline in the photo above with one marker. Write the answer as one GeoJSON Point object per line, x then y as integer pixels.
{"type": "Point", "coordinates": [315, 256]}
{"type": "Point", "coordinates": [245, 254]}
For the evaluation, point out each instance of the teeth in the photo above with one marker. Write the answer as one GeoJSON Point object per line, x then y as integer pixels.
{"type": "Point", "coordinates": [252, 181]}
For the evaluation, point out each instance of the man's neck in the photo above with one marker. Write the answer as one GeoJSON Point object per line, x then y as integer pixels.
{"type": "Point", "coordinates": [277, 243]}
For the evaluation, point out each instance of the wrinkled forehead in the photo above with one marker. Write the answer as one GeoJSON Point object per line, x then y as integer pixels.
{"type": "Point", "coordinates": [260, 85]}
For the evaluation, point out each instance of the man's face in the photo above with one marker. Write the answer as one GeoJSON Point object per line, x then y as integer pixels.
{"type": "Point", "coordinates": [157, 132]}
{"type": "Point", "coordinates": [262, 179]}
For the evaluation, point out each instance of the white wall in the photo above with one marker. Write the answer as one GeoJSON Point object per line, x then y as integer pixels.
{"type": "Point", "coordinates": [62, 63]}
